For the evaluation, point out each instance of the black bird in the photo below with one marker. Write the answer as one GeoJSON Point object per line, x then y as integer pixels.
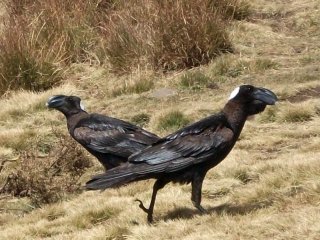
{"type": "Point", "coordinates": [109, 139]}
{"type": "Point", "coordinates": [186, 155]}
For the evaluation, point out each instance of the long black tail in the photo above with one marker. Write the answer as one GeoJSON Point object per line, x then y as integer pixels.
{"type": "Point", "coordinates": [112, 178]}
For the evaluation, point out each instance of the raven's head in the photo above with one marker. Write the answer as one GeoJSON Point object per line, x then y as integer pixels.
{"type": "Point", "coordinates": [68, 105]}
{"type": "Point", "coordinates": [253, 99]}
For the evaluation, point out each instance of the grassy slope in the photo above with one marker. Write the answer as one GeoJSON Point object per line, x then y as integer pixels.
{"type": "Point", "coordinates": [268, 187]}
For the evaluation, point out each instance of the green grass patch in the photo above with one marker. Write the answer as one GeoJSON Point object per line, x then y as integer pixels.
{"type": "Point", "coordinates": [229, 66]}
{"type": "Point", "coordinates": [195, 80]}
{"type": "Point", "coordinates": [141, 119]}
{"type": "Point", "coordinates": [173, 121]}
{"type": "Point", "coordinates": [140, 86]}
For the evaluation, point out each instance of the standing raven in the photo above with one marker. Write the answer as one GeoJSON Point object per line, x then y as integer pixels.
{"type": "Point", "coordinates": [186, 155]}
{"type": "Point", "coordinates": [109, 139]}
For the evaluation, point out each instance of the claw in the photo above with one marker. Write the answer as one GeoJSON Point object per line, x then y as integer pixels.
{"type": "Point", "coordinates": [146, 210]}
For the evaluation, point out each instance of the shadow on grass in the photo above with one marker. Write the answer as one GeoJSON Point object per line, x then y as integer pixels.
{"type": "Point", "coordinates": [223, 209]}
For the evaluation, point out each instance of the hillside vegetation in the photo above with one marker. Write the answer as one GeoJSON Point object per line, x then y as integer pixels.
{"type": "Point", "coordinates": [41, 39]}
{"type": "Point", "coordinates": [267, 188]}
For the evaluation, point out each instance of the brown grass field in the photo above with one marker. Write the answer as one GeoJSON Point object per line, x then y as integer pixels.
{"type": "Point", "coordinates": [267, 188]}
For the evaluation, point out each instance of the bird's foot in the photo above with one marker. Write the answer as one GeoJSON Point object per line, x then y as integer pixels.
{"type": "Point", "coordinates": [202, 210]}
{"type": "Point", "coordinates": [150, 218]}
{"type": "Point", "coordinates": [146, 210]}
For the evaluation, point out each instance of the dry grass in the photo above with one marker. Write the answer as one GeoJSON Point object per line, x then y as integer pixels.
{"type": "Point", "coordinates": [297, 113]}
{"type": "Point", "coordinates": [166, 35]}
{"type": "Point", "coordinates": [267, 188]}
{"type": "Point", "coordinates": [40, 39]}
{"type": "Point", "coordinates": [43, 174]}
{"type": "Point", "coordinates": [139, 86]}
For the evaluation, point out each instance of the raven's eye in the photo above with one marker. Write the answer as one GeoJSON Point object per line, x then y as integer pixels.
{"type": "Point", "coordinates": [249, 88]}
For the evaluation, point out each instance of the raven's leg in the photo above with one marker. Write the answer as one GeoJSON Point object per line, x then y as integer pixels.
{"type": "Point", "coordinates": [196, 191]}
{"type": "Point", "coordinates": [156, 187]}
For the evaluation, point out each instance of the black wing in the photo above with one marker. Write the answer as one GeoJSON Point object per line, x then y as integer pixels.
{"type": "Point", "coordinates": [207, 140]}
{"type": "Point", "coordinates": [110, 135]}
{"type": "Point", "coordinates": [187, 146]}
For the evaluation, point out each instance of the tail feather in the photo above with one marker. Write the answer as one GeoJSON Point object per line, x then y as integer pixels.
{"type": "Point", "coordinates": [111, 179]}
{"type": "Point", "coordinates": [123, 174]}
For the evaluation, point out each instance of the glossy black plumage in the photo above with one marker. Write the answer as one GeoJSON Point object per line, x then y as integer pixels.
{"type": "Point", "coordinates": [186, 155]}
{"type": "Point", "coordinates": [109, 139]}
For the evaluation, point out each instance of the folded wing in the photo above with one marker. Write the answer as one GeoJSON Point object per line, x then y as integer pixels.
{"type": "Point", "coordinates": [109, 135]}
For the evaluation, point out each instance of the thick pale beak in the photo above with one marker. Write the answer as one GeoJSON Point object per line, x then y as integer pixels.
{"type": "Point", "coordinates": [55, 101]}
{"type": "Point", "coordinates": [265, 95]}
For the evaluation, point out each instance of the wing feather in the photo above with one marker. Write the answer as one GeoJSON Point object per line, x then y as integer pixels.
{"type": "Point", "coordinates": [187, 146]}
{"type": "Point", "coordinates": [109, 135]}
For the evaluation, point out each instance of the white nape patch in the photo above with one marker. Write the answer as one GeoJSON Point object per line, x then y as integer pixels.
{"type": "Point", "coordinates": [81, 106]}
{"type": "Point", "coordinates": [234, 93]}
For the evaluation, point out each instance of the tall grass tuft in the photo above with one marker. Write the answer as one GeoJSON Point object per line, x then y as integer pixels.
{"type": "Point", "coordinates": [22, 66]}
{"type": "Point", "coordinates": [40, 38]}
{"type": "Point", "coordinates": [164, 35]}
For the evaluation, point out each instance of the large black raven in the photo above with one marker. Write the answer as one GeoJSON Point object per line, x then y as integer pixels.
{"type": "Point", "coordinates": [109, 139]}
{"type": "Point", "coordinates": [186, 155]}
